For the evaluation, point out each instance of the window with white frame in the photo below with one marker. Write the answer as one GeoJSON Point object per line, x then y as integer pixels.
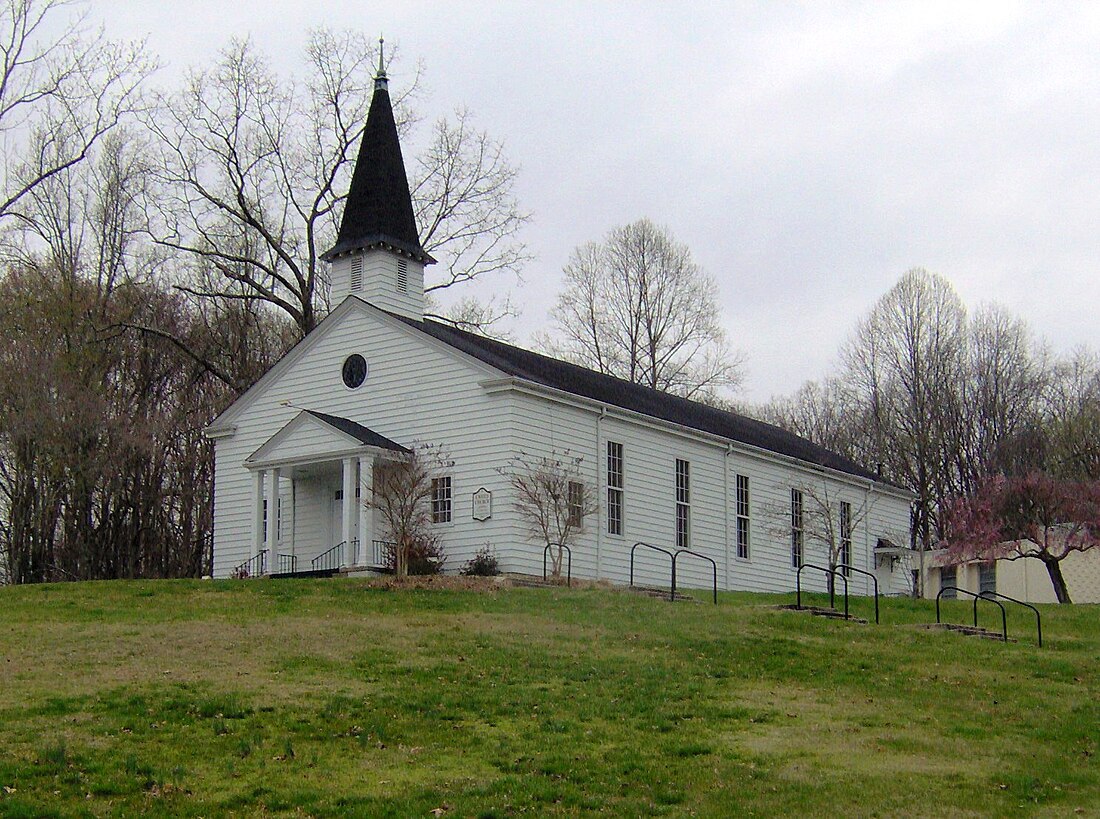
{"type": "Point", "coordinates": [683, 504]}
{"type": "Point", "coordinates": [441, 499]}
{"type": "Point", "coordinates": [797, 533]}
{"type": "Point", "coordinates": [576, 503]}
{"type": "Point", "coordinates": [845, 556]}
{"type": "Point", "coordinates": [614, 488]}
{"type": "Point", "coordinates": [743, 516]}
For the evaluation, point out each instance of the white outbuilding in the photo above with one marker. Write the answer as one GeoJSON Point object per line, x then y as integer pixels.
{"type": "Point", "coordinates": [297, 454]}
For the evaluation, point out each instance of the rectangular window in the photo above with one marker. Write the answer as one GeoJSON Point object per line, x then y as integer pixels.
{"type": "Point", "coordinates": [441, 500]}
{"type": "Point", "coordinates": [402, 276]}
{"type": "Point", "coordinates": [845, 555]}
{"type": "Point", "coordinates": [796, 528]}
{"type": "Point", "coordinates": [683, 504]}
{"type": "Point", "coordinates": [948, 581]}
{"type": "Point", "coordinates": [614, 488]}
{"type": "Point", "coordinates": [987, 577]}
{"type": "Point", "coordinates": [576, 503]}
{"type": "Point", "coordinates": [743, 516]}
{"type": "Point", "coordinates": [357, 273]}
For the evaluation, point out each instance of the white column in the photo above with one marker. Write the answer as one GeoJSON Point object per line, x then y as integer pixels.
{"type": "Point", "coordinates": [366, 512]}
{"type": "Point", "coordinates": [272, 521]}
{"type": "Point", "coordinates": [257, 511]}
{"type": "Point", "coordinates": [348, 509]}
{"type": "Point", "coordinates": [290, 513]}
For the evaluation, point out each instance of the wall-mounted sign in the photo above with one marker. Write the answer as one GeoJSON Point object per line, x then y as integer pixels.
{"type": "Point", "coordinates": [483, 504]}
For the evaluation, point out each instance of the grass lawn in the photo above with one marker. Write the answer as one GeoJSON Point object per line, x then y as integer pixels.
{"type": "Point", "coordinates": [331, 697]}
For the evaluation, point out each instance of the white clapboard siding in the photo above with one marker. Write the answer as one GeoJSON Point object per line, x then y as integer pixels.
{"type": "Point", "coordinates": [544, 426]}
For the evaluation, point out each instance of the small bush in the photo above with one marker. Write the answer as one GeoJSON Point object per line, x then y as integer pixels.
{"type": "Point", "coordinates": [482, 564]}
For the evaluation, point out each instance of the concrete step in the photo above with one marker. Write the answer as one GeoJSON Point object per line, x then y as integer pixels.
{"type": "Point", "coordinates": [661, 594]}
{"type": "Point", "coordinates": [824, 611]}
{"type": "Point", "coordinates": [969, 631]}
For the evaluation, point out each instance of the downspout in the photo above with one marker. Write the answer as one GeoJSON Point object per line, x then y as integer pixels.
{"type": "Point", "coordinates": [599, 500]}
{"type": "Point", "coordinates": [726, 505]}
{"type": "Point", "coordinates": [871, 565]}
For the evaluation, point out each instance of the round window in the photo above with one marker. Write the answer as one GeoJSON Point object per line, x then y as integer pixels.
{"type": "Point", "coordinates": [355, 371]}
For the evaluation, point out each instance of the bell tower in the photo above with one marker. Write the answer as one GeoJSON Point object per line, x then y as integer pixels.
{"type": "Point", "coordinates": [378, 255]}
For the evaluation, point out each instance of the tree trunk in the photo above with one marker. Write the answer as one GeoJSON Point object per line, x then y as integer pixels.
{"type": "Point", "coordinates": [1054, 569]}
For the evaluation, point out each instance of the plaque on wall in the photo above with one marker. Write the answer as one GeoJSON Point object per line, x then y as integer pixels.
{"type": "Point", "coordinates": [483, 504]}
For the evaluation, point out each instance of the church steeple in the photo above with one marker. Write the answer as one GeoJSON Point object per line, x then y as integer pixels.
{"type": "Point", "coordinates": [378, 218]}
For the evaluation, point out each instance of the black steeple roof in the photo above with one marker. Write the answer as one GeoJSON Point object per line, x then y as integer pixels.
{"type": "Point", "coordinates": [378, 211]}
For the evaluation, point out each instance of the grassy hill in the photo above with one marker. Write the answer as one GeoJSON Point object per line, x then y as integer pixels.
{"type": "Point", "coordinates": [334, 698]}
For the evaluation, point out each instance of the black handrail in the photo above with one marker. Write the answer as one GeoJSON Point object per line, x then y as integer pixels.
{"type": "Point", "coordinates": [253, 567]}
{"type": "Point", "coordinates": [977, 597]}
{"type": "Point", "coordinates": [328, 559]}
{"type": "Point", "coordinates": [288, 564]}
{"type": "Point", "coordinates": [671, 557]}
{"type": "Point", "coordinates": [873, 579]}
{"type": "Point", "coordinates": [1038, 617]}
{"type": "Point", "coordinates": [696, 554]}
{"type": "Point", "coordinates": [569, 554]}
{"type": "Point", "coordinates": [828, 571]}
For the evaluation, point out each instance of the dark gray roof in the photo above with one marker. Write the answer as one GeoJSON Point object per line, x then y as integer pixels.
{"type": "Point", "coordinates": [358, 431]}
{"type": "Point", "coordinates": [378, 210]}
{"type": "Point", "coordinates": [571, 378]}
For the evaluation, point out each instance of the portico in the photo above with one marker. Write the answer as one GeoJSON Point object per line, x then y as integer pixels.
{"type": "Point", "coordinates": [310, 485]}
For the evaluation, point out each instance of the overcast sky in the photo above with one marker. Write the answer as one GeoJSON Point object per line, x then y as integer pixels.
{"type": "Point", "coordinates": [808, 154]}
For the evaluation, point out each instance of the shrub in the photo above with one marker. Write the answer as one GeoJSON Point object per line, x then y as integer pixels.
{"type": "Point", "coordinates": [482, 564]}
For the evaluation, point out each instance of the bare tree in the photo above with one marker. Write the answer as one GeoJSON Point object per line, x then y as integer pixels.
{"type": "Point", "coordinates": [62, 89]}
{"type": "Point", "coordinates": [1071, 422]}
{"type": "Point", "coordinates": [637, 306]}
{"type": "Point", "coordinates": [255, 167]}
{"type": "Point", "coordinates": [402, 495]}
{"type": "Point", "coordinates": [1008, 374]}
{"type": "Point", "coordinates": [552, 499]}
{"type": "Point", "coordinates": [907, 362]}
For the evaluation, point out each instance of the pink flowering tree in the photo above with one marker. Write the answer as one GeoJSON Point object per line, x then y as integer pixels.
{"type": "Point", "coordinates": [1035, 515]}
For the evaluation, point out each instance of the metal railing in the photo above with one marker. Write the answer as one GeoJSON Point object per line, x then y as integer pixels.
{"type": "Point", "coordinates": [288, 564]}
{"type": "Point", "coordinates": [569, 554]}
{"type": "Point", "coordinates": [379, 551]}
{"type": "Point", "coordinates": [671, 557]}
{"type": "Point", "coordinates": [874, 580]}
{"type": "Point", "coordinates": [255, 566]}
{"type": "Point", "coordinates": [977, 597]}
{"type": "Point", "coordinates": [714, 566]}
{"type": "Point", "coordinates": [1038, 617]}
{"type": "Point", "coordinates": [330, 559]}
{"type": "Point", "coordinates": [828, 572]}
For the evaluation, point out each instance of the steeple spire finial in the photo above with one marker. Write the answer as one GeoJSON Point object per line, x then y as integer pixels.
{"type": "Point", "coordinates": [381, 81]}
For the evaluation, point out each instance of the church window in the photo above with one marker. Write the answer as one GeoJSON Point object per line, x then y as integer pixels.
{"type": "Point", "coordinates": [354, 371]}
{"type": "Point", "coordinates": [576, 503]}
{"type": "Point", "coordinates": [743, 516]}
{"type": "Point", "coordinates": [796, 528]}
{"type": "Point", "coordinates": [441, 499]}
{"type": "Point", "coordinates": [683, 504]}
{"type": "Point", "coordinates": [846, 538]}
{"type": "Point", "coordinates": [614, 488]}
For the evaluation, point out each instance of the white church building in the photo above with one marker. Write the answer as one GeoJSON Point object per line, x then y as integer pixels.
{"type": "Point", "coordinates": [297, 453]}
